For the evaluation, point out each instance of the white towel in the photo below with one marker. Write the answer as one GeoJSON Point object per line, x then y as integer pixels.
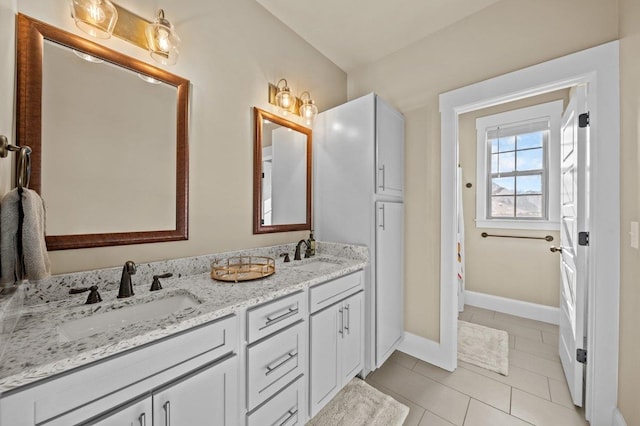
{"type": "Point", "coordinates": [34, 264]}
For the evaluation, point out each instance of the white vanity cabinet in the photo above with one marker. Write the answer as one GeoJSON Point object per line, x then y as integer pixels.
{"type": "Point", "coordinates": [336, 338]}
{"type": "Point", "coordinates": [204, 397]}
{"type": "Point", "coordinates": [276, 360]}
{"type": "Point", "coordinates": [182, 367]}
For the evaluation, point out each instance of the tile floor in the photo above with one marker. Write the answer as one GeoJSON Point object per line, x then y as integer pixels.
{"type": "Point", "coordinates": [534, 393]}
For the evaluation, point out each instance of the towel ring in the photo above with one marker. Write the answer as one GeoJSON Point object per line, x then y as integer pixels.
{"type": "Point", "coordinates": [23, 172]}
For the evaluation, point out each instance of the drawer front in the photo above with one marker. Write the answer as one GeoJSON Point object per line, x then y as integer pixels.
{"type": "Point", "coordinates": [325, 294]}
{"type": "Point", "coordinates": [273, 363]}
{"type": "Point", "coordinates": [284, 409]}
{"type": "Point", "coordinates": [78, 387]}
{"type": "Point", "coordinates": [274, 316]}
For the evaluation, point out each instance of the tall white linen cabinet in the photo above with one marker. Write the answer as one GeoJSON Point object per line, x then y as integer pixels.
{"type": "Point", "coordinates": [358, 199]}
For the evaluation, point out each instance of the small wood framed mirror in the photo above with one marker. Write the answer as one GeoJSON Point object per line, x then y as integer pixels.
{"type": "Point", "coordinates": [281, 175]}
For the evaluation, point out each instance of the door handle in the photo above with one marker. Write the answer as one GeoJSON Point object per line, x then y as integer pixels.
{"type": "Point", "coordinates": [142, 419]}
{"type": "Point", "coordinates": [555, 249]}
{"type": "Point", "coordinates": [381, 185]}
{"type": "Point", "coordinates": [348, 321]}
{"type": "Point", "coordinates": [341, 330]}
{"type": "Point", "coordinates": [381, 219]}
{"type": "Point", "coordinates": [167, 413]}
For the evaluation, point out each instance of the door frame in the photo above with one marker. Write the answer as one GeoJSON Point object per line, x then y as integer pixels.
{"type": "Point", "coordinates": [599, 68]}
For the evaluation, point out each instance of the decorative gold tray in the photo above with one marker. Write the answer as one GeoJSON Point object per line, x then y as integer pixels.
{"type": "Point", "coordinates": [243, 268]}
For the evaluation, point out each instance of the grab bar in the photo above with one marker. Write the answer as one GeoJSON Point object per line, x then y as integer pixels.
{"type": "Point", "coordinates": [547, 237]}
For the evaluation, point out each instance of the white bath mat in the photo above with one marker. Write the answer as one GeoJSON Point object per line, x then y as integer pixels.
{"type": "Point", "coordinates": [483, 346]}
{"type": "Point", "coordinates": [359, 404]}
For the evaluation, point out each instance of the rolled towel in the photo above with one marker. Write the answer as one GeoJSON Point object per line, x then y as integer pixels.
{"type": "Point", "coordinates": [34, 263]}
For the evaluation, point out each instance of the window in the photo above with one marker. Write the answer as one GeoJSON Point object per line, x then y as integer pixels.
{"type": "Point", "coordinates": [518, 168]}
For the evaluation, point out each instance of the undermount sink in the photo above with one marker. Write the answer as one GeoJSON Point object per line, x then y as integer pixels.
{"type": "Point", "coordinates": [316, 265]}
{"type": "Point", "coordinates": [120, 318]}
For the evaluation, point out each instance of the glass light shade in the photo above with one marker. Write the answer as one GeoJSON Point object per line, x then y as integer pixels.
{"type": "Point", "coordinates": [95, 17]}
{"type": "Point", "coordinates": [163, 41]}
{"type": "Point", "coordinates": [284, 98]}
{"type": "Point", "coordinates": [308, 111]}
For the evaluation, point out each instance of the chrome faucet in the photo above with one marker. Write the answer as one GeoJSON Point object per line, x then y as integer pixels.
{"type": "Point", "coordinates": [126, 287]}
{"type": "Point", "coordinates": [307, 252]}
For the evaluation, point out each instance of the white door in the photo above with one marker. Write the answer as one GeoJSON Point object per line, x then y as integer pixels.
{"type": "Point", "coordinates": [389, 150]}
{"type": "Point", "coordinates": [573, 266]}
{"type": "Point", "coordinates": [389, 285]}
{"type": "Point", "coordinates": [207, 397]}
{"type": "Point", "coordinates": [352, 337]}
{"type": "Point", "coordinates": [324, 375]}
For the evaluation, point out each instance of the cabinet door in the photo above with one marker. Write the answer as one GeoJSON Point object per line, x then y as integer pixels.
{"type": "Point", "coordinates": [138, 413]}
{"type": "Point", "coordinates": [352, 337]}
{"type": "Point", "coordinates": [205, 397]}
{"type": "Point", "coordinates": [389, 285]}
{"type": "Point", "coordinates": [390, 150]}
{"type": "Point", "coordinates": [324, 377]}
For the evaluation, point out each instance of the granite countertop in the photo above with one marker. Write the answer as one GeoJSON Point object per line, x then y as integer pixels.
{"type": "Point", "coordinates": [31, 346]}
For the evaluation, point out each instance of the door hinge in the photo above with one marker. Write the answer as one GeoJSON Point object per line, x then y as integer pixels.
{"type": "Point", "coordinates": [583, 120]}
{"type": "Point", "coordinates": [581, 356]}
{"type": "Point", "coordinates": [583, 238]}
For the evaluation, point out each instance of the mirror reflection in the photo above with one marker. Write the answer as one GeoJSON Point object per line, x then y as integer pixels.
{"type": "Point", "coordinates": [109, 140]}
{"type": "Point", "coordinates": [282, 174]}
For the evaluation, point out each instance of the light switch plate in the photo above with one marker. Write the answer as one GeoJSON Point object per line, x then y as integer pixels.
{"type": "Point", "coordinates": [634, 235]}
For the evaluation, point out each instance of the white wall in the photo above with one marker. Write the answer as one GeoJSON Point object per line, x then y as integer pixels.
{"type": "Point", "coordinates": [231, 50]}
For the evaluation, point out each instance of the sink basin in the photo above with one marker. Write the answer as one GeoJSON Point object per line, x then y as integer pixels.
{"type": "Point", "coordinates": [316, 265]}
{"type": "Point", "coordinates": [120, 318]}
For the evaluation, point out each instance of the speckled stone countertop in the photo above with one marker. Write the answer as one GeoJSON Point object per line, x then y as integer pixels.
{"type": "Point", "coordinates": [31, 348]}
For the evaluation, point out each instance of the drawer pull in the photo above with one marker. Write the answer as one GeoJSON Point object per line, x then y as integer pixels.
{"type": "Point", "coordinates": [341, 330]}
{"type": "Point", "coordinates": [292, 414]}
{"type": "Point", "coordinates": [291, 355]}
{"type": "Point", "coordinates": [274, 319]}
{"type": "Point", "coordinates": [142, 419]}
{"type": "Point", "coordinates": [167, 413]}
{"type": "Point", "coordinates": [348, 321]}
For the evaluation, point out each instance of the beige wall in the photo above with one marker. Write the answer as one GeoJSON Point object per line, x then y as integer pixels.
{"type": "Point", "coordinates": [231, 50]}
{"type": "Point", "coordinates": [513, 268]}
{"type": "Point", "coordinates": [7, 73]}
{"type": "Point", "coordinates": [629, 368]}
{"type": "Point", "coordinates": [504, 37]}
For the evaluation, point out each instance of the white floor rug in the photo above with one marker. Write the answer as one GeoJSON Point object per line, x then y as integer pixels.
{"type": "Point", "coordinates": [359, 404]}
{"type": "Point", "coordinates": [483, 346]}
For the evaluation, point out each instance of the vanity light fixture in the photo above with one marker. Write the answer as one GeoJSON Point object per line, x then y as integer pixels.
{"type": "Point", "coordinates": [284, 98]}
{"type": "Point", "coordinates": [162, 40]}
{"type": "Point", "coordinates": [308, 109]}
{"type": "Point", "coordinates": [95, 17]}
{"type": "Point", "coordinates": [102, 18]}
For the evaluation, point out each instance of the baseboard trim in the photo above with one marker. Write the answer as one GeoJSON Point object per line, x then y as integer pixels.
{"type": "Point", "coordinates": [519, 308]}
{"type": "Point", "coordinates": [618, 420]}
{"type": "Point", "coordinates": [424, 349]}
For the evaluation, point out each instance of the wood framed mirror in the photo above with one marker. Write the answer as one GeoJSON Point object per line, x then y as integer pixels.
{"type": "Point", "coordinates": [109, 140]}
{"type": "Point", "coordinates": [281, 175]}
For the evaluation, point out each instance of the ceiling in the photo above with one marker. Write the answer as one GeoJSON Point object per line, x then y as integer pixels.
{"type": "Point", "coordinates": [353, 33]}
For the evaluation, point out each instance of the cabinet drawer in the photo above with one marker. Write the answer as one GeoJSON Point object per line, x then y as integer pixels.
{"type": "Point", "coordinates": [273, 363]}
{"type": "Point", "coordinates": [284, 409]}
{"type": "Point", "coordinates": [274, 316]}
{"type": "Point", "coordinates": [85, 384]}
{"type": "Point", "coordinates": [323, 295]}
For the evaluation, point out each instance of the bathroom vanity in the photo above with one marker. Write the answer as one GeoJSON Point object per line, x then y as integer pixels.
{"type": "Point", "coordinates": [258, 352]}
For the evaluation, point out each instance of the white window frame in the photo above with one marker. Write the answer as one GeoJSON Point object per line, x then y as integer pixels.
{"type": "Point", "coordinates": [552, 111]}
